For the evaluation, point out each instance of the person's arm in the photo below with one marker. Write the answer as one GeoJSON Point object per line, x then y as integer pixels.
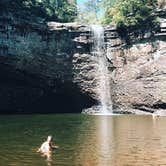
{"type": "Point", "coordinates": [38, 150]}
{"type": "Point", "coordinates": [54, 146]}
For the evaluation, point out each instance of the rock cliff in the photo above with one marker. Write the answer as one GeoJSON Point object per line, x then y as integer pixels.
{"type": "Point", "coordinates": [48, 67]}
{"type": "Point", "coordinates": [36, 66]}
{"type": "Point", "coordinates": [138, 70]}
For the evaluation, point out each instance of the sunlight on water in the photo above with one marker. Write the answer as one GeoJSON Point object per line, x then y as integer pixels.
{"type": "Point", "coordinates": [124, 140]}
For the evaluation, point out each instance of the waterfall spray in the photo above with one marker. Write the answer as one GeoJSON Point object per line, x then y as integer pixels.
{"type": "Point", "coordinates": [102, 74]}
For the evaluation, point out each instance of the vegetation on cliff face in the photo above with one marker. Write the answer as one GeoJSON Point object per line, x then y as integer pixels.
{"type": "Point", "coordinates": [56, 10]}
{"type": "Point", "coordinates": [133, 16]}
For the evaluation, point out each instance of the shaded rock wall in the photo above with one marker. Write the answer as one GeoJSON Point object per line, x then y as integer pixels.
{"type": "Point", "coordinates": [36, 66]}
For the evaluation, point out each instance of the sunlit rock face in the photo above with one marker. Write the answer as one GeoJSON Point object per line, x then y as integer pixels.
{"type": "Point", "coordinates": [141, 81]}
{"type": "Point", "coordinates": [138, 72]}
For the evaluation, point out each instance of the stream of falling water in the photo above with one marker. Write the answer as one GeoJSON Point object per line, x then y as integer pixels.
{"type": "Point", "coordinates": [102, 74]}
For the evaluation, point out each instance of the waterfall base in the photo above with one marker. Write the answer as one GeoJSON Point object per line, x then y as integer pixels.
{"type": "Point", "coordinates": [98, 110]}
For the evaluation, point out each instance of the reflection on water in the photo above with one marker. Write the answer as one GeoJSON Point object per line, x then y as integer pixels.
{"type": "Point", "coordinates": [124, 140]}
{"type": "Point", "coordinates": [83, 140]}
{"type": "Point", "coordinates": [97, 147]}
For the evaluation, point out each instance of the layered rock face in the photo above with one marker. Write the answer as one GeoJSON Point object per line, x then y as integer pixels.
{"type": "Point", "coordinates": [138, 71]}
{"type": "Point", "coordinates": [49, 68]}
{"type": "Point", "coordinates": [36, 66]}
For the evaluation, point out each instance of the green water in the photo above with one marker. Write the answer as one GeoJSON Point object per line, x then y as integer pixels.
{"type": "Point", "coordinates": [84, 140]}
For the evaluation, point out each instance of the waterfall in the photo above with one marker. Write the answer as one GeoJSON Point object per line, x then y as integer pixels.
{"type": "Point", "coordinates": [102, 74]}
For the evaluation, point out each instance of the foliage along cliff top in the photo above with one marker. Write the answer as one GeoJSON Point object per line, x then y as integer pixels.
{"type": "Point", "coordinates": [54, 10]}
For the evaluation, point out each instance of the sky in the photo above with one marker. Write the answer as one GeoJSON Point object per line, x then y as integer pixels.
{"type": "Point", "coordinates": [81, 6]}
{"type": "Point", "coordinates": [79, 2]}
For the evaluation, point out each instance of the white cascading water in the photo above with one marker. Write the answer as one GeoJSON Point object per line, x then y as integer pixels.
{"type": "Point", "coordinates": [102, 76]}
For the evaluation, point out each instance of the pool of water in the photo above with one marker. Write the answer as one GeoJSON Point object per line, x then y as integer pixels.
{"type": "Point", "coordinates": [83, 140]}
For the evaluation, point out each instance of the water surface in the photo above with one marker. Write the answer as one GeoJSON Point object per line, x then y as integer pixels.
{"type": "Point", "coordinates": [84, 140]}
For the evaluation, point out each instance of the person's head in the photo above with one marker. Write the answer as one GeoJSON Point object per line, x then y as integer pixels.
{"type": "Point", "coordinates": [49, 138]}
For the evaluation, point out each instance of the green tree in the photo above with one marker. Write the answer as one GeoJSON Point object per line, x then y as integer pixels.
{"type": "Point", "coordinates": [105, 4]}
{"type": "Point", "coordinates": [55, 10]}
{"type": "Point", "coordinates": [133, 16]}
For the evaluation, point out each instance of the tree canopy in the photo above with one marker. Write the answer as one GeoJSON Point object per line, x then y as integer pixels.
{"type": "Point", "coordinates": [132, 16]}
{"type": "Point", "coordinates": [57, 10]}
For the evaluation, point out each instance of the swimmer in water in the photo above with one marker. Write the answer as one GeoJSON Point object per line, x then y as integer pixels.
{"type": "Point", "coordinates": [46, 147]}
